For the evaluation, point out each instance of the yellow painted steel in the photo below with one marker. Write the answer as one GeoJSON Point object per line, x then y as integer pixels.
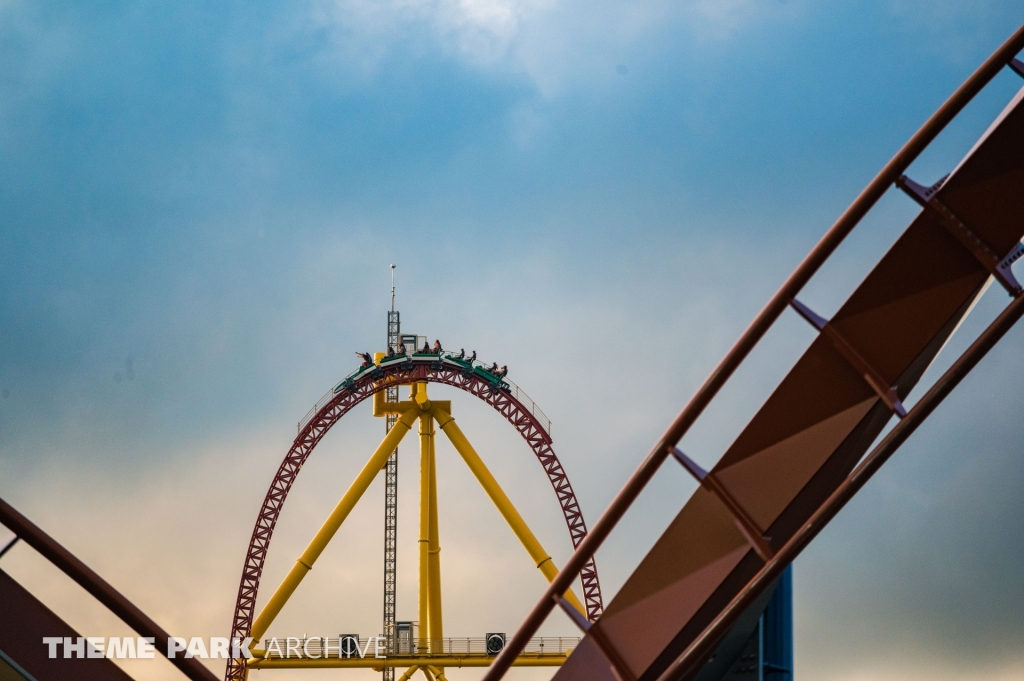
{"type": "Point", "coordinates": [381, 407]}
{"type": "Point", "coordinates": [429, 606]}
{"type": "Point", "coordinates": [501, 500]}
{"type": "Point", "coordinates": [408, 673]}
{"type": "Point", "coordinates": [426, 426]}
{"type": "Point", "coordinates": [319, 542]}
{"type": "Point", "coordinates": [440, 661]}
{"type": "Point", "coordinates": [438, 673]}
{"type": "Point", "coordinates": [418, 394]}
{"type": "Point", "coordinates": [431, 620]}
{"type": "Point", "coordinates": [435, 618]}
{"type": "Point", "coordinates": [427, 673]}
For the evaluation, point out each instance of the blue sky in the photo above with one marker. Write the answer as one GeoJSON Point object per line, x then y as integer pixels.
{"type": "Point", "coordinates": [199, 203]}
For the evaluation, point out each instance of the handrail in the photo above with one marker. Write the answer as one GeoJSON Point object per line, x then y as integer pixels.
{"type": "Point", "coordinates": [750, 337]}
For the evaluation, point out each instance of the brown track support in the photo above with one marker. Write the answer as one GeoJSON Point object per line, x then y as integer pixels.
{"type": "Point", "coordinates": [871, 375]}
{"type": "Point", "coordinates": [99, 588]}
{"type": "Point", "coordinates": [853, 483]}
{"type": "Point", "coordinates": [753, 534]}
{"type": "Point", "coordinates": [885, 179]}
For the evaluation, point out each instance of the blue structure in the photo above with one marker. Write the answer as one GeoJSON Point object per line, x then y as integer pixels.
{"type": "Point", "coordinates": [760, 646]}
{"type": "Point", "coordinates": [777, 632]}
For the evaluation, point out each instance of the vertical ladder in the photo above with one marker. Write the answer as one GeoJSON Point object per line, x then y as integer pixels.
{"type": "Point", "coordinates": [390, 509]}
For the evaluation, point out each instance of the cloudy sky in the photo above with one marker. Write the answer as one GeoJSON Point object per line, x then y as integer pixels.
{"type": "Point", "coordinates": [199, 203]}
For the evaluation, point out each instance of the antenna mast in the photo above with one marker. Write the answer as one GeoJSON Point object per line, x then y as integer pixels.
{"type": "Point", "coordinates": [391, 502]}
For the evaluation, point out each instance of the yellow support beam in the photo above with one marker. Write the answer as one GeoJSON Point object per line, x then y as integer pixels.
{"type": "Point", "coordinates": [408, 673]}
{"type": "Point", "coordinates": [381, 407]}
{"type": "Point", "coordinates": [418, 394]}
{"type": "Point", "coordinates": [438, 673]}
{"type": "Point", "coordinates": [501, 500]}
{"type": "Point", "coordinates": [431, 620]}
{"type": "Point", "coordinates": [319, 542]}
{"type": "Point", "coordinates": [435, 618]}
{"type": "Point", "coordinates": [426, 428]}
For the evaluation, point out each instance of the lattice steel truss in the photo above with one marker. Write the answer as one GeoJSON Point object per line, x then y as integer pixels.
{"type": "Point", "coordinates": [391, 512]}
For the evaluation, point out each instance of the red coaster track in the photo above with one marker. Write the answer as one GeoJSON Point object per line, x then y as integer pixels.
{"type": "Point", "coordinates": [348, 395]}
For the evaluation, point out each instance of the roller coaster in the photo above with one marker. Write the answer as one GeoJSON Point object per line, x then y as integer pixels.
{"type": "Point", "coordinates": [429, 650]}
{"type": "Point", "coordinates": [697, 605]}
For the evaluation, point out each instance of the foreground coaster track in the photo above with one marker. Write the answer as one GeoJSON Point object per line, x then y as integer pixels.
{"type": "Point", "coordinates": [802, 457]}
{"type": "Point", "coordinates": [372, 381]}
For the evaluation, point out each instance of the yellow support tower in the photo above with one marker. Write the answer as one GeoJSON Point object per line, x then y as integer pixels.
{"type": "Point", "coordinates": [305, 562]}
{"type": "Point", "coordinates": [438, 673]}
{"type": "Point", "coordinates": [508, 511]}
{"type": "Point", "coordinates": [436, 619]}
{"type": "Point", "coordinates": [429, 655]}
{"type": "Point", "coordinates": [424, 540]}
{"type": "Point", "coordinates": [431, 618]}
